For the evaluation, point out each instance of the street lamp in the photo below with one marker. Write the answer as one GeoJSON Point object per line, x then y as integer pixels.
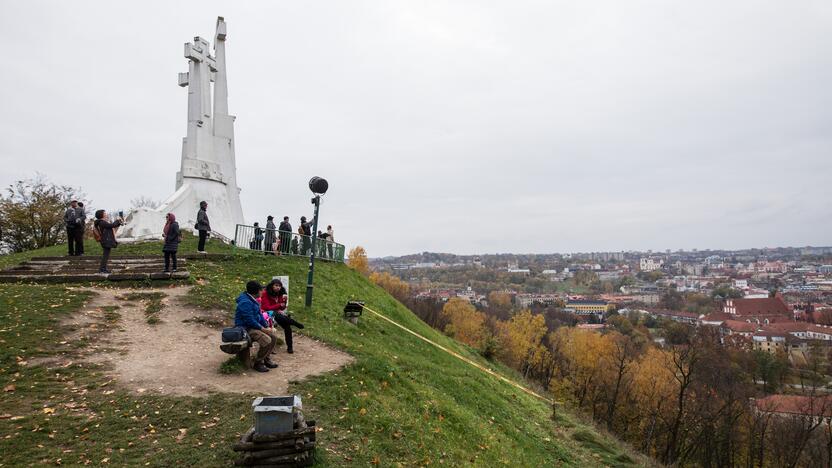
{"type": "Point", "coordinates": [318, 186]}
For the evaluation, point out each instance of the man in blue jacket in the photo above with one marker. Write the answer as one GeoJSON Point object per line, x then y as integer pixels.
{"type": "Point", "coordinates": [248, 315]}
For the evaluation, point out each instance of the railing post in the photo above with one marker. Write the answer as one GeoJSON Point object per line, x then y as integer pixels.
{"type": "Point", "coordinates": [236, 241]}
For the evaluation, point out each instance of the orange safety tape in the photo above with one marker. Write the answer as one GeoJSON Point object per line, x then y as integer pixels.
{"type": "Point", "coordinates": [462, 358]}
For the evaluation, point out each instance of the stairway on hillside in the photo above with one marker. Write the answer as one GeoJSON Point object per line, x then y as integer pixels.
{"type": "Point", "coordinates": [85, 268]}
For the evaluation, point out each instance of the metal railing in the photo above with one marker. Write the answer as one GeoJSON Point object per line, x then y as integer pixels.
{"type": "Point", "coordinates": [272, 241]}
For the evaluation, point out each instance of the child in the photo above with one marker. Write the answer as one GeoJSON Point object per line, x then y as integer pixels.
{"type": "Point", "coordinates": [273, 300]}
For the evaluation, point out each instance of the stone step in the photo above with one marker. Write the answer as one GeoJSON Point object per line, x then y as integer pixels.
{"type": "Point", "coordinates": [81, 261]}
{"type": "Point", "coordinates": [88, 277]}
{"type": "Point", "coordinates": [85, 269]}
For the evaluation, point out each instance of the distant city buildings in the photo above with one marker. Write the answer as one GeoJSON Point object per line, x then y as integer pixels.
{"type": "Point", "coordinates": [650, 264]}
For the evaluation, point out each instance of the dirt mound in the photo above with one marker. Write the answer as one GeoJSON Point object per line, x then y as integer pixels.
{"type": "Point", "coordinates": [155, 343]}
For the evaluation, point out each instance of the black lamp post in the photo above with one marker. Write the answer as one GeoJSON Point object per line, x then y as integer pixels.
{"type": "Point", "coordinates": [318, 186]}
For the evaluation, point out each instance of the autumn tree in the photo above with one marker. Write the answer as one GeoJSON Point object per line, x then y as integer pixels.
{"type": "Point", "coordinates": [31, 214]}
{"type": "Point", "coordinates": [465, 323]}
{"type": "Point", "coordinates": [499, 300]}
{"type": "Point", "coordinates": [522, 342]}
{"type": "Point", "coordinates": [392, 284]}
{"type": "Point", "coordinates": [577, 365]}
{"type": "Point", "coordinates": [357, 260]}
{"type": "Point", "coordinates": [621, 360]}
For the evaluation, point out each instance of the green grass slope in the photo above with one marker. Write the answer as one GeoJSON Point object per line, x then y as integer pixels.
{"type": "Point", "coordinates": [403, 402]}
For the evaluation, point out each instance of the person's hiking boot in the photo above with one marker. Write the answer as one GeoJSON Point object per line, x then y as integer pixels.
{"type": "Point", "coordinates": [165, 271]}
{"type": "Point", "coordinates": [290, 351]}
{"type": "Point", "coordinates": [260, 367]}
{"type": "Point", "coordinates": [270, 364]}
{"type": "Point", "coordinates": [299, 325]}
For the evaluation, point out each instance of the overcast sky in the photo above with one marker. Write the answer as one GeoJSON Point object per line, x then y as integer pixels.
{"type": "Point", "coordinates": [464, 127]}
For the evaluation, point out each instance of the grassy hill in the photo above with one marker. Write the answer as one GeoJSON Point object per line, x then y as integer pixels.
{"type": "Point", "coordinates": [401, 402]}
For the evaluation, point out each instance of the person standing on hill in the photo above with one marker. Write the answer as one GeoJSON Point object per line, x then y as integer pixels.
{"type": "Point", "coordinates": [249, 317]}
{"type": "Point", "coordinates": [80, 228]}
{"type": "Point", "coordinates": [172, 236]}
{"type": "Point", "coordinates": [270, 235]}
{"type": "Point", "coordinates": [69, 222]}
{"type": "Point", "coordinates": [330, 238]}
{"type": "Point", "coordinates": [273, 300]}
{"type": "Point", "coordinates": [202, 225]}
{"type": "Point", "coordinates": [104, 232]}
{"type": "Point", "coordinates": [257, 242]}
{"type": "Point", "coordinates": [322, 242]}
{"type": "Point", "coordinates": [285, 234]}
{"type": "Point", "coordinates": [305, 230]}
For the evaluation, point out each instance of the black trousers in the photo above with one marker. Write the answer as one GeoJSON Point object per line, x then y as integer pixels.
{"type": "Point", "coordinates": [70, 240]}
{"type": "Point", "coordinates": [79, 240]}
{"type": "Point", "coordinates": [105, 258]}
{"type": "Point", "coordinates": [202, 236]}
{"type": "Point", "coordinates": [285, 322]}
{"type": "Point", "coordinates": [168, 257]}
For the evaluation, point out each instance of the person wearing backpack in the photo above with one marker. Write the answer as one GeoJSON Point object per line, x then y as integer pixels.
{"type": "Point", "coordinates": [172, 236]}
{"type": "Point", "coordinates": [105, 233]}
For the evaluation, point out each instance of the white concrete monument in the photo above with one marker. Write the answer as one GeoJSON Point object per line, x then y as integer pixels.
{"type": "Point", "coordinates": [208, 170]}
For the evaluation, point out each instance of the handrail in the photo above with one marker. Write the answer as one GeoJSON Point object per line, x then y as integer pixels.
{"type": "Point", "coordinates": [276, 242]}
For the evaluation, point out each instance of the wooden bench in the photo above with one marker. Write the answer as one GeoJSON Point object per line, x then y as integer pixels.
{"type": "Point", "coordinates": [243, 348]}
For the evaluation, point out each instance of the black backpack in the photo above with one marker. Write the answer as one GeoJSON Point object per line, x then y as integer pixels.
{"type": "Point", "coordinates": [234, 334]}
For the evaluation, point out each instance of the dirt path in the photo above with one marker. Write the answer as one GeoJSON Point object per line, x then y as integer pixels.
{"type": "Point", "coordinates": [180, 354]}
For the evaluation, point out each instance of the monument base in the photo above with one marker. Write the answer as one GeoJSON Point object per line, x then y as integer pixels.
{"type": "Point", "coordinates": [147, 223]}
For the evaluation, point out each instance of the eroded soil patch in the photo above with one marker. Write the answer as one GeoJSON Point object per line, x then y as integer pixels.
{"type": "Point", "coordinates": [177, 352]}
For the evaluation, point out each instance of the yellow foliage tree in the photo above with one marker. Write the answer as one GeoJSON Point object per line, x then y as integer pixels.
{"type": "Point", "coordinates": [358, 260]}
{"type": "Point", "coordinates": [522, 340]}
{"type": "Point", "coordinates": [499, 300]}
{"type": "Point", "coordinates": [582, 354]}
{"type": "Point", "coordinates": [392, 284]}
{"type": "Point", "coordinates": [465, 323]}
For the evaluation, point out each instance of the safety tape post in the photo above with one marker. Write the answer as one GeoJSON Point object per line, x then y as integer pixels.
{"type": "Point", "coordinates": [461, 357]}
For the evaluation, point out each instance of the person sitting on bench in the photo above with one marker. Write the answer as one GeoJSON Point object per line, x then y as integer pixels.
{"type": "Point", "coordinates": [248, 315]}
{"type": "Point", "coordinates": [273, 300]}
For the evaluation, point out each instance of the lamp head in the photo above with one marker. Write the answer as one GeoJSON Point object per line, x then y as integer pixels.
{"type": "Point", "coordinates": [318, 185]}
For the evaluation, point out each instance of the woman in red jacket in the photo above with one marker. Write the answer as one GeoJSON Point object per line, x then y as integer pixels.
{"type": "Point", "coordinates": [273, 300]}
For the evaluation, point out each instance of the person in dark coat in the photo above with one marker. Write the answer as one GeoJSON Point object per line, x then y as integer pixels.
{"type": "Point", "coordinates": [69, 222]}
{"type": "Point", "coordinates": [257, 242]}
{"type": "Point", "coordinates": [274, 300]}
{"type": "Point", "coordinates": [285, 233]}
{"type": "Point", "coordinates": [106, 236]}
{"type": "Point", "coordinates": [80, 228]}
{"type": "Point", "coordinates": [173, 236]}
{"type": "Point", "coordinates": [270, 235]}
{"type": "Point", "coordinates": [202, 225]}
{"type": "Point", "coordinates": [305, 229]}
